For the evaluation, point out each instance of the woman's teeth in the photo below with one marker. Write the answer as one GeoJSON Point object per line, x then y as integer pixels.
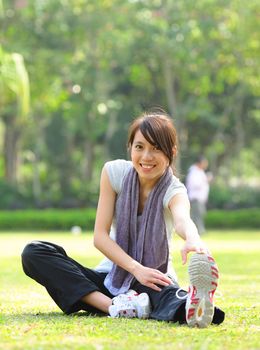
{"type": "Point", "coordinates": [147, 166]}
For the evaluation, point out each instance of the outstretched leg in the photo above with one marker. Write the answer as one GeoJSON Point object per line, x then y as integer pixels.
{"type": "Point", "coordinates": [196, 307]}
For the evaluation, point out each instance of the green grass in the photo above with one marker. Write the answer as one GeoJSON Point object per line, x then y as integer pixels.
{"type": "Point", "coordinates": [29, 319]}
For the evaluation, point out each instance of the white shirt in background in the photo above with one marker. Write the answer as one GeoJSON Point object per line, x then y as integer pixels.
{"type": "Point", "coordinates": [197, 184]}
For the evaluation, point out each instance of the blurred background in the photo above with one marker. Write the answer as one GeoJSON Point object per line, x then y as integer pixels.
{"type": "Point", "coordinates": [74, 73]}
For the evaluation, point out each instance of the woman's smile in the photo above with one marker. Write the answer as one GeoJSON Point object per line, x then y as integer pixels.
{"type": "Point", "coordinates": [147, 166]}
{"type": "Point", "coordinates": [148, 160]}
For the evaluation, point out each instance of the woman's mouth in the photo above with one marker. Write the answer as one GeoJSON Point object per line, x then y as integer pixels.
{"type": "Point", "coordinates": [147, 166]}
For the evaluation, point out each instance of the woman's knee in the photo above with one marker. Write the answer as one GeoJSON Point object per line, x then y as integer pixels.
{"type": "Point", "coordinates": [30, 251]}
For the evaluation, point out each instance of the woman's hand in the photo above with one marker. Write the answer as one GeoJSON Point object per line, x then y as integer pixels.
{"type": "Point", "coordinates": [151, 277]}
{"type": "Point", "coordinates": [193, 245]}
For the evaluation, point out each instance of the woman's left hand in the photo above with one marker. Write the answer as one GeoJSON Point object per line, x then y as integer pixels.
{"type": "Point", "coordinates": [195, 245]}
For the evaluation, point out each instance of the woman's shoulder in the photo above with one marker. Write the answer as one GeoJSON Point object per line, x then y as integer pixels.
{"type": "Point", "coordinates": [116, 170]}
{"type": "Point", "coordinates": [175, 187]}
{"type": "Point", "coordinates": [118, 166]}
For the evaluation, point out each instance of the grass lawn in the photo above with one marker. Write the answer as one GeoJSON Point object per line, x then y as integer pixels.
{"type": "Point", "coordinates": [29, 319]}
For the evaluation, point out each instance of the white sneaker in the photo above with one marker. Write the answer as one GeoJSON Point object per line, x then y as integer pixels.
{"type": "Point", "coordinates": [141, 302]}
{"type": "Point", "coordinates": [131, 305]}
{"type": "Point", "coordinates": [122, 306]}
{"type": "Point", "coordinates": [203, 273]}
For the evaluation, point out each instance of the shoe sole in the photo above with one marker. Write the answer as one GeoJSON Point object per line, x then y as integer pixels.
{"type": "Point", "coordinates": [203, 273]}
{"type": "Point", "coordinates": [127, 312]}
{"type": "Point", "coordinates": [143, 306]}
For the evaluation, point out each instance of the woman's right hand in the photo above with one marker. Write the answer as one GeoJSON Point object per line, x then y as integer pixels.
{"type": "Point", "coordinates": [151, 278]}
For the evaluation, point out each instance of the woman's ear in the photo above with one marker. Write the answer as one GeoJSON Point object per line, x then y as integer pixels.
{"type": "Point", "coordinates": [174, 151]}
{"type": "Point", "coordinates": [129, 149]}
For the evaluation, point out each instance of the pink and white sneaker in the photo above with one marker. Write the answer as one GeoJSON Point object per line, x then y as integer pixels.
{"type": "Point", "coordinates": [203, 274]}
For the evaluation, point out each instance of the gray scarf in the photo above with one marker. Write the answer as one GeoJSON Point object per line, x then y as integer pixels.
{"type": "Point", "coordinates": [148, 245]}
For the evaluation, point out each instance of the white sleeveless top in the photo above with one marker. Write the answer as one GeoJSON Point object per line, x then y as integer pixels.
{"type": "Point", "coordinates": [116, 171]}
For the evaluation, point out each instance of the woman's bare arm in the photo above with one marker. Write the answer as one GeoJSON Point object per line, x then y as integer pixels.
{"type": "Point", "coordinates": [185, 227]}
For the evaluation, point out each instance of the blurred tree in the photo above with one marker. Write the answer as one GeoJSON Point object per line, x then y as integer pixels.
{"type": "Point", "coordinates": [93, 65]}
{"type": "Point", "coordinates": [14, 100]}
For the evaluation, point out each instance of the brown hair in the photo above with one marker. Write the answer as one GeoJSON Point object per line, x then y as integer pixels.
{"type": "Point", "coordinates": [158, 129]}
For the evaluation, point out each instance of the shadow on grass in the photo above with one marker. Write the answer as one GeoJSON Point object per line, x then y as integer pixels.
{"type": "Point", "coordinates": [47, 315]}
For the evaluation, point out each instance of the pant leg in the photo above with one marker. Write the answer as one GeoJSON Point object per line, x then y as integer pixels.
{"type": "Point", "coordinates": [198, 211]}
{"type": "Point", "coordinates": [66, 280]}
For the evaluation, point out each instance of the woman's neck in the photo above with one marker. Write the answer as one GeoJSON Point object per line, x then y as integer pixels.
{"type": "Point", "coordinates": [144, 191]}
{"type": "Point", "coordinates": [147, 185]}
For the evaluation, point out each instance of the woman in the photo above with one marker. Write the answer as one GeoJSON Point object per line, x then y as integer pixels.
{"type": "Point", "coordinates": [140, 203]}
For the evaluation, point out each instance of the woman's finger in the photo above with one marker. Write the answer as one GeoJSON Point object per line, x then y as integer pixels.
{"type": "Point", "coordinates": [154, 287]}
{"type": "Point", "coordinates": [162, 277]}
{"type": "Point", "coordinates": [160, 282]}
{"type": "Point", "coordinates": [203, 250]}
{"type": "Point", "coordinates": [184, 256]}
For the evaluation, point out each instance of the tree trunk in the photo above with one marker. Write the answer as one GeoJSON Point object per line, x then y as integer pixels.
{"type": "Point", "coordinates": [11, 147]}
{"type": "Point", "coordinates": [239, 128]}
{"type": "Point", "coordinates": [172, 105]}
{"type": "Point", "coordinates": [37, 188]}
{"type": "Point", "coordinates": [89, 160]}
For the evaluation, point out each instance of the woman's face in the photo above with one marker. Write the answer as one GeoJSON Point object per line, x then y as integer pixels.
{"type": "Point", "coordinates": [149, 162]}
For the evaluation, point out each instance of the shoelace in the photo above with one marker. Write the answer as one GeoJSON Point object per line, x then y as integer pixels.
{"type": "Point", "coordinates": [179, 297]}
{"type": "Point", "coordinates": [218, 294]}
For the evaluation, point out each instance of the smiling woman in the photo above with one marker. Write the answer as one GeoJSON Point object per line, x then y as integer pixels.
{"type": "Point", "coordinates": [148, 160]}
{"type": "Point", "coordinates": [141, 202]}
{"type": "Point", "coordinates": [159, 131]}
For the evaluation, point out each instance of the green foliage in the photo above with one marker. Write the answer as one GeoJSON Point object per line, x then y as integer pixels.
{"type": "Point", "coordinates": [54, 219]}
{"type": "Point", "coordinates": [11, 198]}
{"type": "Point", "coordinates": [14, 78]}
{"type": "Point", "coordinates": [91, 71]}
{"type": "Point", "coordinates": [47, 219]}
{"type": "Point", "coordinates": [227, 197]}
{"type": "Point", "coordinates": [233, 219]}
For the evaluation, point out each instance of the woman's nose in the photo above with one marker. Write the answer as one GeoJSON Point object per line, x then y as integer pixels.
{"type": "Point", "coordinates": [147, 154]}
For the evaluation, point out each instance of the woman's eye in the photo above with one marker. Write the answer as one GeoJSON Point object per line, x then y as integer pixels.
{"type": "Point", "coordinates": [138, 146]}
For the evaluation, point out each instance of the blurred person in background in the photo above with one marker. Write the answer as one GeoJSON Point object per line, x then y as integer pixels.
{"type": "Point", "coordinates": [198, 186]}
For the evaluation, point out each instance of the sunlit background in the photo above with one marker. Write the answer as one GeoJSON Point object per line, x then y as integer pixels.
{"type": "Point", "coordinates": [74, 73]}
